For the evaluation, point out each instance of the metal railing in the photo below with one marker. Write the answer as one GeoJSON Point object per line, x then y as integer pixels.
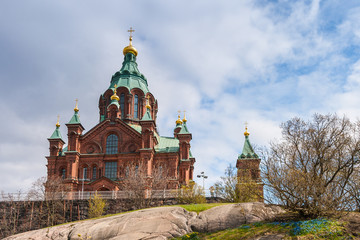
{"type": "Point", "coordinates": [85, 195]}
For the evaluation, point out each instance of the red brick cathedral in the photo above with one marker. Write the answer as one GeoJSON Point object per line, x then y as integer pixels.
{"type": "Point", "coordinates": [126, 136]}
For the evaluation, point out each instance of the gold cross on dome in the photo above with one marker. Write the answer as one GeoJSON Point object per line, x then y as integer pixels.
{"type": "Point", "coordinates": [131, 31]}
{"type": "Point", "coordinates": [246, 124]}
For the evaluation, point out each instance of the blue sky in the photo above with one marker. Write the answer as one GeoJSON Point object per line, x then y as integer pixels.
{"type": "Point", "coordinates": [225, 63]}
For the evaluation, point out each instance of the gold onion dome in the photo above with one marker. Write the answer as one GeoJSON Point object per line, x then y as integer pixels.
{"type": "Point", "coordinates": [184, 119]}
{"type": "Point", "coordinates": [130, 48]}
{"type": "Point", "coordinates": [246, 133]}
{"type": "Point", "coordinates": [115, 96]}
{"type": "Point", "coordinates": [178, 121]}
{"type": "Point", "coordinates": [57, 123]}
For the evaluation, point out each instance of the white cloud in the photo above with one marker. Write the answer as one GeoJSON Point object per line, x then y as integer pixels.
{"type": "Point", "coordinates": [223, 63]}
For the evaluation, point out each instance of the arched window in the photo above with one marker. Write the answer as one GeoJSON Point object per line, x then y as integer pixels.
{"type": "Point", "coordinates": [136, 106]}
{"type": "Point", "coordinates": [94, 173]}
{"type": "Point", "coordinates": [122, 105]}
{"type": "Point", "coordinates": [63, 173]}
{"type": "Point", "coordinates": [112, 144]}
{"type": "Point", "coordinates": [85, 173]}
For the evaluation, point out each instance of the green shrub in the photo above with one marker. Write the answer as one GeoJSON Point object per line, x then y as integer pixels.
{"type": "Point", "coordinates": [96, 206]}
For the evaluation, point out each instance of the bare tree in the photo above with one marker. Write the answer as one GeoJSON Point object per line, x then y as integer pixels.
{"type": "Point", "coordinates": [354, 188]}
{"type": "Point", "coordinates": [142, 187]}
{"type": "Point", "coordinates": [52, 192]}
{"type": "Point", "coordinates": [233, 188]}
{"type": "Point", "coordinates": [9, 222]}
{"type": "Point", "coordinates": [310, 169]}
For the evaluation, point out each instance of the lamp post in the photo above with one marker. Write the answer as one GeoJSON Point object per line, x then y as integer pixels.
{"type": "Point", "coordinates": [202, 175]}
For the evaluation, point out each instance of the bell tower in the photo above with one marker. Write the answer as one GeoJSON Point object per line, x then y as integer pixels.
{"type": "Point", "coordinates": [248, 165]}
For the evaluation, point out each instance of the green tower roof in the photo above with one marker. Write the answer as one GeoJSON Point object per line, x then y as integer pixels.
{"type": "Point", "coordinates": [184, 129]}
{"type": "Point", "coordinates": [129, 75]}
{"type": "Point", "coordinates": [56, 134]}
{"type": "Point", "coordinates": [248, 151]}
{"type": "Point", "coordinates": [75, 118]}
{"type": "Point", "coordinates": [147, 116]}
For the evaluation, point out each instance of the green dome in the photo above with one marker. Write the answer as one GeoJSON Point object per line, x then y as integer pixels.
{"type": "Point", "coordinates": [129, 75]}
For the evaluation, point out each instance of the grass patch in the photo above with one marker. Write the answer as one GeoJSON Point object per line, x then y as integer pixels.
{"type": "Point", "coordinates": [199, 207]}
{"type": "Point", "coordinates": [308, 229]}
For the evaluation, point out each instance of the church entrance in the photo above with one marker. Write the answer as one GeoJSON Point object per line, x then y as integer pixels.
{"type": "Point", "coordinates": [103, 189]}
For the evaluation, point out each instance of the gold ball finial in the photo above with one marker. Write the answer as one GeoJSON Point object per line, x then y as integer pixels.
{"type": "Point", "coordinates": [57, 123]}
{"type": "Point", "coordinates": [76, 109]}
{"type": "Point", "coordinates": [115, 96]}
{"type": "Point", "coordinates": [246, 133]}
{"type": "Point", "coordinates": [178, 121]}
{"type": "Point", "coordinates": [147, 102]}
{"type": "Point", "coordinates": [130, 48]}
{"type": "Point", "coordinates": [184, 119]}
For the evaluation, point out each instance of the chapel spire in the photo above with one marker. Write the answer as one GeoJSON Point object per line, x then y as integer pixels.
{"type": "Point", "coordinates": [75, 118]}
{"type": "Point", "coordinates": [56, 134]}
{"type": "Point", "coordinates": [248, 151]}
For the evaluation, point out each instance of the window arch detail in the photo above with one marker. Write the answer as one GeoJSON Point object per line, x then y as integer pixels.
{"type": "Point", "coordinates": [122, 105]}
{"type": "Point", "coordinates": [136, 106]}
{"type": "Point", "coordinates": [112, 144]}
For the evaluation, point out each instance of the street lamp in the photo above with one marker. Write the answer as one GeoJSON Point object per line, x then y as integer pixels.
{"type": "Point", "coordinates": [202, 175]}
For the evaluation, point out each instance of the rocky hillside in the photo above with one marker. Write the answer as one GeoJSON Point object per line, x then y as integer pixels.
{"type": "Point", "coordinates": [157, 223]}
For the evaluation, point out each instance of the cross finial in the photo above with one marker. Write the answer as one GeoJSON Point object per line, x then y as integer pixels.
{"type": "Point", "coordinates": [246, 133]}
{"type": "Point", "coordinates": [131, 31]}
{"type": "Point", "coordinates": [57, 123]}
{"type": "Point", "coordinates": [76, 109]}
{"type": "Point", "coordinates": [184, 119]}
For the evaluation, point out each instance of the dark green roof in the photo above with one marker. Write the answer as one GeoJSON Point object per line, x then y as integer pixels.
{"type": "Point", "coordinates": [129, 75]}
{"type": "Point", "coordinates": [248, 151]}
{"type": "Point", "coordinates": [56, 134]}
{"type": "Point", "coordinates": [75, 118]}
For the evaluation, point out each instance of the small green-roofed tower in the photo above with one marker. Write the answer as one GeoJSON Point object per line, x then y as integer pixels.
{"type": "Point", "coordinates": [248, 166]}
{"type": "Point", "coordinates": [248, 151]}
{"type": "Point", "coordinates": [186, 163]}
{"type": "Point", "coordinates": [75, 130]}
{"type": "Point", "coordinates": [184, 129]}
{"type": "Point", "coordinates": [56, 134]}
{"type": "Point", "coordinates": [147, 115]}
{"type": "Point", "coordinates": [75, 118]}
{"type": "Point", "coordinates": [56, 141]}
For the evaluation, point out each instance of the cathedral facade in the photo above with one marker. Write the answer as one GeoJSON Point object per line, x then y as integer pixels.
{"type": "Point", "coordinates": [125, 137]}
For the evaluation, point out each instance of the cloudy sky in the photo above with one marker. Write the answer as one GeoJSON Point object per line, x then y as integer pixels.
{"type": "Point", "coordinates": [224, 62]}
